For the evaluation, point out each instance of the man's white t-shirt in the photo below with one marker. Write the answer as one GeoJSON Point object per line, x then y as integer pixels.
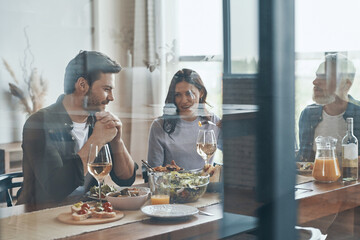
{"type": "Point", "coordinates": [334, 126]}
{"type": "Point", "coordinates": [80, 132]}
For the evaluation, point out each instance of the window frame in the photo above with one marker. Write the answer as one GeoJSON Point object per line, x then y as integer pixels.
{"type": "Point", "coordinates": [275, 95]}
{"type": "Point", "coordinates": [227, 47]}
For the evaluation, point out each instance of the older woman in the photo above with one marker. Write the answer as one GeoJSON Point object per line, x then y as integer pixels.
{"type": "Point", "coordinates": [173, 135]}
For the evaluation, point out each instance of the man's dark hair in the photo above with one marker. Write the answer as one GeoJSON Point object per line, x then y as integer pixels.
{"type": "Point", "coordinates": [89, 65]}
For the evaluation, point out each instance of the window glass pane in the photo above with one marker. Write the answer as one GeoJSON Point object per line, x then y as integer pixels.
{"type": "Point", "coordinates": [244, 36]}
{"type": "Point", "coordinates": [200, 27]}
{"type": "Point", "coordinates": [198, 43]}
{"type": "Point", "coordinates": [37, 37]}
{"type": "Point", "coordinates": [151, 42]}
{"type": "Point", "coordinates": [326, 93]}
{"type": "Point", "coordinates": [240, 110]}
{"type": "Point", "coordinates": [333, 28]}
{"type": "Point", "coordinates": [318, 33]}
{"type": "Point", "coordinates": [199, 34]}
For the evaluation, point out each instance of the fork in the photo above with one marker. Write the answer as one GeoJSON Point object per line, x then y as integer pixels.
{"type": "Point", "coordinates": [205, 213]}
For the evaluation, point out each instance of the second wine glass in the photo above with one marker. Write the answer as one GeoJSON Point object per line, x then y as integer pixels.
{"type": "Point", "coordinates": [99, 163]}
{"type": "Point", "coordinates": [206, 144]}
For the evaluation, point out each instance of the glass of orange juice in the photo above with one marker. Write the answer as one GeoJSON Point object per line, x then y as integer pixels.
{"type": "Point", "coordinates": [160, 188]}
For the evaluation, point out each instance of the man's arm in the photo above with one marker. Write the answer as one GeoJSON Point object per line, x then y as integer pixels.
{"type": "Point", "coordinates": [123, 165]}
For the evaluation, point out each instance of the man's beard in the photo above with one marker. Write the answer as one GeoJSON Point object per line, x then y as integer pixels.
{"type": "Point", "coordinates": [328, 98]}
{"type": "Point", "coordinates": [92, 104]}
{"type": "Point", "coordinates": [324, 100]}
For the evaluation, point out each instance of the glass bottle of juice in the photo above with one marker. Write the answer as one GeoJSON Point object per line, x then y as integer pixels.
{"type": "Point", "coordinates": [350, 153]}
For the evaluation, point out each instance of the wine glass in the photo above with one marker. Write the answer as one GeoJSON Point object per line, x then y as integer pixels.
{"type": "Point", "coordinates": [206, 144]}
{"type": "Point", "coordinates": [99, 163]}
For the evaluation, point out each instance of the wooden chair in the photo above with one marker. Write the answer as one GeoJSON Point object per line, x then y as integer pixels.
{"type": "Point", "coordinates": [7, 184]}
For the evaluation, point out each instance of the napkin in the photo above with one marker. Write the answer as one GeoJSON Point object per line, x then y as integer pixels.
{"type": "Point", "coordinates": [310, 233]}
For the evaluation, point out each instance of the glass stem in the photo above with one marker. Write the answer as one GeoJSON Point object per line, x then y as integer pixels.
{"type": "Point", "coordinates": [99, 182]}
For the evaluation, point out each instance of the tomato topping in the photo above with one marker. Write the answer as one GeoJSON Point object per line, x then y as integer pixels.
{"type": "Point", "coordinates": [107, 204]}
{"type": "Point", "coordinates": [85, 206]}
{"type": "Point", "coordinates": [108, 209]}
{"type": "Point", "coordinates": [81, 212]}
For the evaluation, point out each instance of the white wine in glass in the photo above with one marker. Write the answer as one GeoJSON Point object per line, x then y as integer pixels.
{"type": "Point", "coordinates": [99, 163]}
{"type": "Point", "coordinates": [206, 144]}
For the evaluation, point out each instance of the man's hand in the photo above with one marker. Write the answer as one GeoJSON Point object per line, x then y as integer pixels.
{"type": "Point", "coordinates": [110, 121]}
{"type": "Point", "coordinates": [123, 165]}
{"type": "Point", "coordinates": [104, 132]}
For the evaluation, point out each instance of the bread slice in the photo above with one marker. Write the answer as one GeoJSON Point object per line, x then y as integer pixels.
{"type": "Point", "coordinates": [103, 214]}
{"type": "Point", "coordinates": [76, 207]}
{"type": "Point", "coordinates": [81, 217]}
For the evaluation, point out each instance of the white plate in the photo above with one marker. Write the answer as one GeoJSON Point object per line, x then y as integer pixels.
{"type": "Point", "coordinates": [169, 210]}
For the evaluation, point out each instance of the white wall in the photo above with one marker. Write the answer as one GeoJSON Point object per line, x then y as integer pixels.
{"type": "Point", "coordinates": [57, 31]}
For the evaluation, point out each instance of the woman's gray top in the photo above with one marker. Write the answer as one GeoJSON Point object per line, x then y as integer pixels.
{"type": "Point", "coordinates": [180, 145]}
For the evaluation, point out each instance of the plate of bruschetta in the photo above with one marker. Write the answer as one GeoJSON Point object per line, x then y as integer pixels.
{"type": "Point", "coordinates": [90, 213]}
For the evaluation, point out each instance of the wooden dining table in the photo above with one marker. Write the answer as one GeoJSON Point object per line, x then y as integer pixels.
{"type": "Point", "coordinates": [219, 225]}
{"type": "Point", "coordinates": [322, 199]}
{"type": "Point", "coordinates": [235, 215]}
{"type": "Point", "coordinates": [333, 205]}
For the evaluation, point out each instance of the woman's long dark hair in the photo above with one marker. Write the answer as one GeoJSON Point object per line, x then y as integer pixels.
{"type": "Point", "coordinates": [171, 112]}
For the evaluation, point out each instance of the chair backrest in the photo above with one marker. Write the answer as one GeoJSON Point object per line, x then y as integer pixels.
{"type": "Point", "coordinates": [7, 184]}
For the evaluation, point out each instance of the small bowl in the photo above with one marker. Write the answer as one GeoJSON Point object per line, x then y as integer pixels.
{"type": "Point", "coordinates": [128, 203]}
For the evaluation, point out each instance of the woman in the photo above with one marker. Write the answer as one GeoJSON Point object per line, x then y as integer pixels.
{"type": "Point", "coordinates": [173, 135]}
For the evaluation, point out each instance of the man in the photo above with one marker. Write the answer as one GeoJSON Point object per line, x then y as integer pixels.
{"type": "Point", "coordinates": [57, 139]}
{"type": "Point", "coordinates": [334, 78]}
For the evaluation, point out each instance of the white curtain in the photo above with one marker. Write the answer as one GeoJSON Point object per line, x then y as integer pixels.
{"type": "Point", "coordinates": [147, 79]}
{"type": "Point", "coordinates": [133, 32]}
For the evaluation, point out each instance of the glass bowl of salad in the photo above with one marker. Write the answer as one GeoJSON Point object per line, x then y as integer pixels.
{"type": "Point", "coordinates": [185, 186]}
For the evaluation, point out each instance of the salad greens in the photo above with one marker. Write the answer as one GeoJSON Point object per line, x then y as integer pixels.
{"type": "Point", "coordinates": [104, 189]}
{"type": "Point", "coordinates": [184, 186]}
